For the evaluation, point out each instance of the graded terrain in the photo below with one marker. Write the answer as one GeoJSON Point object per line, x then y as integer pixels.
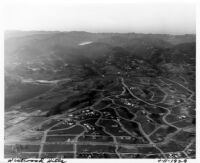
{"type": "Point", "coordinates": [87, 95]}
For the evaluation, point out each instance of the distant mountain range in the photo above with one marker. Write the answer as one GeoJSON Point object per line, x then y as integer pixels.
{"type": "Point", "coordinates": [24, 46]}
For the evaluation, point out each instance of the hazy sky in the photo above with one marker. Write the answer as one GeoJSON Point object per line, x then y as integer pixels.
{"type": "Point", "coordinates": [140, 18]}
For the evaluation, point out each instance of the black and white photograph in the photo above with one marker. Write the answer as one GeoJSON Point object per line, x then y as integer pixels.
{"type": "Point", "coordinates": [99, 80]}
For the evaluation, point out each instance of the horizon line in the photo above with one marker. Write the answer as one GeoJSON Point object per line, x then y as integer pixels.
{"type": "Point", "coordinates": [18, 30]}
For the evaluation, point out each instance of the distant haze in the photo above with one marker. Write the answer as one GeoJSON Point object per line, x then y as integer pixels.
{"type": "Point", "coordinates": [122, 18]}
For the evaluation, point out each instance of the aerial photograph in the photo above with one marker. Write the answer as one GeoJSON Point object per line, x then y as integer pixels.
{"type": "Point", "coordinates": [113, 81]}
